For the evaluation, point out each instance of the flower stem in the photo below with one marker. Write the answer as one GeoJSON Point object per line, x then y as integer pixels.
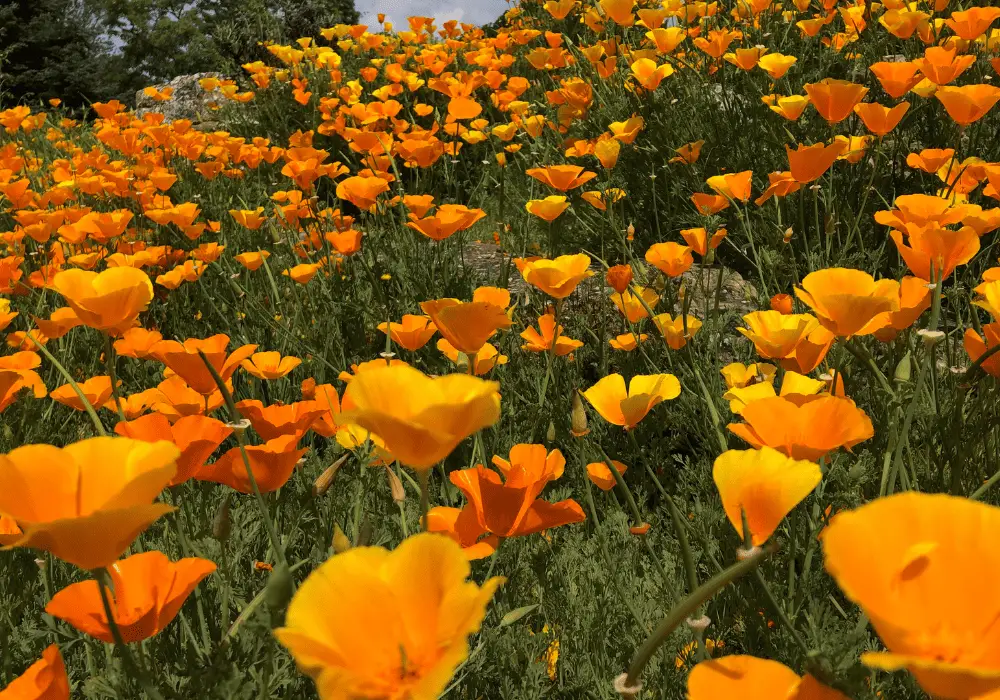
{"type": "Point", "coordinates": [130, 664]}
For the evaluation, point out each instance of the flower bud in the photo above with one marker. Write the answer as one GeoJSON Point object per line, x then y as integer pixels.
{"type": "Point", "coordinates": [279, 588]}
{"type": "Point", "coordinates": [903, 369]}
{"type": "Point", "coordinates": [325, 480]}
{"type": "Point", "coordinates": [395, 486]}
{"type": "Point", "coordinates": [222, 525]}
{"type": "Point", "coordinates": [619, 277]}
{"type": "Point", "coordinates": [550, 434]}
{"type": "Point", "coordinates": [578, 417]}
{"type": "Point", "coordinates": [340, 542]}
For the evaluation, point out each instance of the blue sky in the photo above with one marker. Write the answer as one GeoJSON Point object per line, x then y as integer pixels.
{"type": "Point", "coordinates": [396, 11]}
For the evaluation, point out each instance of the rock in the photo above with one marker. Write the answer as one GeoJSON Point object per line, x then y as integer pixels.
{"type": "Point", "coordinates": [188, 101]}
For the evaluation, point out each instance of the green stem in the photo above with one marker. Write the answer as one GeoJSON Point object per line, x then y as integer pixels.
{"type": "Point", "coordinates": [109, 358]}
{"type": "Point", "coordinates": [88, 407]}
{"type": "Point", "coordinates": [131, 666]}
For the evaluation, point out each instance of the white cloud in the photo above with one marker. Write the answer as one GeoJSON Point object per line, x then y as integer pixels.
{"type": "Point", "coordinates": [396, 11]}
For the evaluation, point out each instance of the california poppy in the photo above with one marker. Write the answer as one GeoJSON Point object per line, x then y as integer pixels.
{"type": "Point", "coordinates": [933, 252]}
{"type": "Point", "coordinates": [280, 419]}
{"type": "Point", "coordinates": [548, 337]}
{"type": "Point", "coordinates": [148, 591]}
{"type": "Point", "coordinates": [600, 475]}
{"type": "Point", "coordinates": [776, 64]}
{"type": "Point", "coordinates": [618, 407]}
{"type": "Point", "coordinates": [627, 342]}
{"type": "Point", "coordinates": [630, 303]}
{"type": "Point", "coordinates": [137, 342]}
{"type": "Point", "coordinates": [808, 163]}
{"type": "Point", "coordinates": [272, 465]}
{"type": "Point", "coordinates": [878, 119]}
{"type": "Point", "coordinates": [941, 65]}
{"type": "Point", "coordinates": [764, 485]}
{"type": "Point", "coordinates": [976, 346]}
{"type": "Point", "coordinates": [835, 99]}
{"type": "Point", "coordinates": [362, 191]}
{"type": "Point", "coordinates": [750, 677]}
{"type": "Point", "coordinates": [738, 375]}
{"type": "Point", "coordinates": [421, 419]}
{"type": "Point", "coordinates": [897, 78]}
{"type": "Point", "coordinates": [97, 391]}
{"type": "Point", "coordinates": [548, 209]}
{"type": "Point", "coordinates": [85, 502]}
{"type": "Point", "coordinates": [700, 242]}
{"type": "Point", "coordinates": [184, 360]}
{"type": "Point", "coordinates": [44, 680]}
{"type": "Point", "coordinates": [561, 177]}
{"type": "Point", "coordinates": [846, 300]}
{"type": "Point", "coordinates": [672, 259]}
{"type": "Point", "coordinates": [969, 103]}
{"type": "Point", "coordinates": [197, 437]}
{"type": "Point", "coordinates": [482, 362]}
{"type": "Point", "coordinates": [418, 596]}
{"type": "Point", "coordinates": [972, 23]}
{"type": "Point", "coordinates": [109, 301]}
{"type": "Point", "coordinates": [466, 325]}
{"type": "Point", "coordinates": [270, 365]}
{"type": "Point", "coordinates": [905, 581]}
{"type": "Point", "coordinates": [775, 334]}
{"type": "Point", "coordinates": [677, 331]}
{"type": "Point", "coordinates": [803, 427]}
{"type": "Point", "coordinates": [732, 186]}
{"type": "Point", "coordinates": [412, 332]}
{"type": "Point", "coordinates": [559, 277]}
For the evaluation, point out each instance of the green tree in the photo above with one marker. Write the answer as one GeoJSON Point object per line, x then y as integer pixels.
{"type": "Point", "coordinates": [52, 48]}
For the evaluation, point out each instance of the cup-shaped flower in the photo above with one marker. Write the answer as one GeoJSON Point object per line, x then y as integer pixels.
{"type": "Point", "coordinates": [972, 23]}
{"type": "Point", "coordinates": [846, 300]}
{"type": "Point", "coordinates": [932, 251]}
{"type": "Point", "coordinates": [109, 301]}
{"type": "Point", "coordinates": [148, 591]}
{"type": "Point", "coordinates": [97, 391]}
{"type": "Point", "coordinates": [618, 407]}
{"type": "Point", "coordinates": [677, 331]}
{"type": "Point", "coordinates": [631, 304]}
{"type": "Point", "coordinates": [421, 419]}
{"type": "Point", "coordinates": [738, 676]}
{"type": "Point", "coordinates": [85, 502]}
{"type": "Point", "coordinates": [561, 177]}
{"type": "Point", "coordinates": [44, 680]}
{"type": "Point", "coordinates": [559, 277]}
{"type": "Point", "coordinates": [976, 346]}
{"type": "Point", "coordinates": [270, 365]}
{"type": "Point", "coordinates": [732, 186]}
{"type": "Point", "coordinates": [775, 334]}
{"type": "Point", "coordinates": [548, 333]}
{"type": "Point", "coordinates": [765, 485]}
{"type": "Point", "coordinates": [483, 361]}
{"type": "Point", "coordinates": [808, 163]}
{"type": "Point", "coordinates": [897, 78]}
{"type": "Point", "coordinates": [914, 299]}
{"type": "Point", "coordinates": [969, 103]}
{"type": "Point", "coordinates": [197, 437]}
{"type": "Point", "coordinates": [418, 604]}
{"type": "Point", "coordinates": [600, 474]}
{"type": "Point", "coordinates": [411, 333]}
{"type": "Point", "coordinates": [466, 325]}
{"type": "Point", "coordinates": [548, 209]}
{"type": "Point", "coordinates": [700, 242]}
{"type": "Point", "coordinates": [738, 375]}
{"type": "Point", "coordinates": [272, 465]}
{"type": "Point", "coordinates": [184, 360]}
{"type": "Point", "coordinates": [932, 557]}
{"type": "Point", "coordinates": [835, 99]}
{"type": "Point", "coordinates": [281, 418]}
{"type": "Point", "coordinates": [803, 427]}
{"type": "Point", "coordinates": [362, 191]}
{"type": "Point", "coordinates": [776, 64]}
{"type": "Point", "coordinates": [672, 259]}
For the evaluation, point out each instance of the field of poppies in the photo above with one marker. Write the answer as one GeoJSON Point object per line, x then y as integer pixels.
{"type": "Point", "coordinates": [639, 350]}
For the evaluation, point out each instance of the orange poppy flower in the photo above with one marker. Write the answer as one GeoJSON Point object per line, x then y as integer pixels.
{"type": "Point", "coordinates": [272, 464]}
{"type": "Point", "coordinates": [418, 204]}
{"type": "Point", "coordinates": [700, 242]}
{"type": "Point", "coordinates": [466, 325]}
{"type": "Point", "coordinates": [619, 277]}
{"type": "Point", "coordinates": [649, 75]}
{"type": "Point", "coordinates": [737, 375]}
{"type": "Point", "coordinates": [558, 278]}
{"type": "Point", "coordinates": [607, 152]}
{"type": "Point", "coordinates": [109, 301]}
{"type": "Point", "coordinates": [914, 299]}
{"type": "Point", "coordinates": [808, 163]}
{"type": "Point", "coordinates": [677, 331]}
{"type": "Point", "coordinates": [672, 259]}
{"type": "Point", "coordinates": [732, 186]}
{"type": "Point", "coordinates": [249, 218]}
{"type": "Point", "coordinates": [907, 580]}
{"type": "Point", "coordinates": [619, 11]}
{"type": "Point", "coordinates": [941, 65]}
{"type": "Point", "coordinates": [96, 389]}
{"type": "Point", "coordinates": [747, 676]}
{"type": "Point", "coordinates": [175, 399]}
{"type": "Point", "coordinates": [976, 345]}
{"type": "Point", "coordinates": [104, 498]}
{"type": "Point", "coordinates": [897, 78]}
{"type": "Point", "coordinates": [253, 260]}
{"type": "Point", "coordinates": [197, 437]}
{"type": "Point", "coordinates": [183, 359]}
{"type": "Point", "coordinates": [765, 485]}
{"type": "Point", "coordinates": [280, 419]}
{"type": "Point", "coordinates": [559, 9]}
{"type": "Point", "coordinates": [412, 332]}
{"type": "Point", "coordinates": [933, 252]}
{"type": "Point", "coordinates": [17, 373]}
{"type": "Point", "coordinates": [421, 419]}
{"type": "Point", "coordinates": [708, 204]}
{"type": "Point", "coordinates": [270, 365]}
{"type": "Point", "coordinates": [483, 362]}
{"type": "Point", "coordinates": [717, 42]}
{"type": "Point", "coordinates": [878, 119]}
{"type": "Point", "coordinates": [464, 108]}
{"type": "Point", "coordinates": [688, 153]}
{"type": "Point", "coordinates": [783, 303]}
{"type": "Point", "coordinates": [745, 59]}
{"type": "Point", "coordinates": [550, 333]}
{"type": "Point", "coordinates": [630, 305]}
{"type": "Point", "coordinates": [44, 680]}
{"type": "Point", "coordinates": [618, 407]}
{"type": "Point", "coordinates": [561, 177]}
{"type": "Point", "coordinates": [548, 209]}
{"type": "Point", "coordinates": [774, 334]}
{"type": "Point", "coordinates": [418, 595]}
{"type": "Point", "coordinates": [803, 427]}
{"type": "Point", "coordinates": [362, 191]}
{"type": "Point", "coordinates": [600, 475]}
{"type": "Point", "coordinates": [148, 591]}
{"type": "Point", "coordinates": [972, 23]}
{"type": "Point", "coordinates": [988, 291]}
{"type": "Point", "coordinates": [627, 342]}
{"type": "Point", "coordinates": [846, 300]}
{"type": "Point", "coordinates": [666, 39]}
{"type": "Point", "coordinates": [447, 220]}
{"type": "Point", "coordinates": [790, 107]}
{"type": "Point", "coordinates": [969, 103]}
{"type": "Point", "coordinates": [137, 342]}
{"type": "Point", "coordinates": [835, 99]}
{"type": "Point", "coordinates": [776, 64]}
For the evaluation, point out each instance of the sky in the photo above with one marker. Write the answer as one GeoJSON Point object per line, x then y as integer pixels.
{"type": "Point", "coordinates": [396, 11]}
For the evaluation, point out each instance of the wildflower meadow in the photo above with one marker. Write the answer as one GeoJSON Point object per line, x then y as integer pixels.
{"type": "Point", "coordinates": [620, 350]}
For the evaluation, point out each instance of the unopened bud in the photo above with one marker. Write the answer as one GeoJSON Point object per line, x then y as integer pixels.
{"type": "Point", "coordinates": [340, 542]}
{"type": "Point", "coordinates": [395, 486]}
{"type": "Point", "coordinates": [279, 588]}
{"type": "Point", "coordinates": [222, 525]}
{"type": "Point", "coordinates": [365, 532]}
{"type": "Point", "coordinates": [550, 434]}
{"type": "Point", "coordinates": [903, 369]}
{"type": "Point", "coordinates": [578, 417]}
{"type": "Point", "coordinates": [325, 480]}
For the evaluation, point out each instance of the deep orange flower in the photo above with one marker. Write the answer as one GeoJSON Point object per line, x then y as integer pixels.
{"type": "Point", "coordinates": [969, 103]}
{"type": "Point", "coordinates": [878, 119]}
{"type": "Point", "coordinates": [846, 300]}
{"type": "Point", "coordinates": [972, 23]}
{"type": "Point", "coordinates": [548, 209]}
{"type": "Point", "coordinates": [183, 359]}
{"type": "Point", "coordinates": [908, 581]}
{"type": "Point", "coordinates": [620, 11]}
{"type": "Point", "coordinates": [749, 677]}
{"type": "Point", "coordinates": [561, 177]}
{"type": "Point", "coordinates": [418, 597]}
{"type": "Point", "coordinates": [803, 427]}
{"type": "Point", "coordinates": [648, 74]}
{"type": "Point", "coordinates": [618, 407]}
{"type": "Point", "coordinates": [109, 301]}
{"type": "Point", "coordinates": [137, 342]}
{"type": "Point", "coordinates": [677, 331]}
{"type": "Point", "coordinates": [897, 78]}
{"type": "Point", "coordinates": [790, 107]}
{"type": "Point", "coordinates": [600, 475]}
{"type": "Point", "coordinates": [447, 220]}
{"type": "Point", "coordinates": [197, 437]}
{"type": "Point", "coordinates": [175, 399]}
{"type": "Point", "coordinates": [776, 64]}
{"type": "Point", "coordinates": [708, 204]}
{"type": "Point", "coordinates": [280, 419]}
{"type": "Point", "coordinates": [466, 325]}
{"type": "Point", "coordinates": [550, 333]}
{"type": "Point", "coordinates": [835, 99]}
{"type": "Point", "coordinates": [508, 507]}
{"type": "Point", "coordinates": [808, 163]}
{"type": "Point", "coordinates": [672, 259]}
{"type": "Point", "coordinates": [362, 191]}
{"type": "Point", "coordinates": [933, 252]}
{"type": "Point", "coordinates": [765, 485]}
{"type": "Point", "coordinates": [148, 591]}
{"type": "Point", "coordinates": [733, 186]}
{"type": "Point", "coordinates": [44, 680]}
{"type": "Point", "coordinates": [941, 65]}
{"type": "Point", "coordinates": [781, 184]}
{"type": "Point", "coordinates": [976, 345]}
{"type": "Point", "coordinates": [252, 260]}
{"type": "Point", "coordinates": [17, 373]}
{"type": "Point", "coordinates": [249, 218]}
{"type": "Point", "coordinates": [700, 242]}
{"type": "Point", "coordinates": [619, 277]}
{"type": "Point", "coordinates": [776, 334]}
{"type": "Point", "coordinates": [421, 419]}
{"type": "Point", "coordinates": [85, 502]}
{"type": "Point", "coordinates": [272, 464]}
{"type": "Point", "coordinates": [630, 302]}
{"type": "Point", "coordinates": [783, 303]}
{"type": "Point", "coordinates": [96, 389]}
{"type": "Point", "coordinates": [558, 278]}
{"type": "Point", "coordinates": [627, 342]}
{"type": "Point", "coordinates": [689, 152]}
{"type": "Point", "coordinates": [483, 361]}
{"type": "Point", "coordinates": [412, 332]}
{"type": "Point", "coordinates": [270, 365]}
